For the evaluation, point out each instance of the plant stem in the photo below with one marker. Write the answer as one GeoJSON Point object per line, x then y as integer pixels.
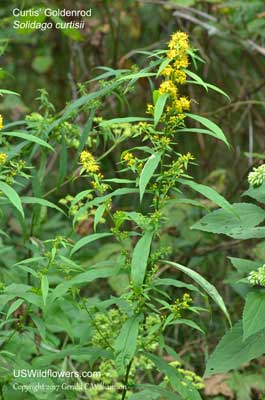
{"type": "Point", "coordinates": [125, 384]}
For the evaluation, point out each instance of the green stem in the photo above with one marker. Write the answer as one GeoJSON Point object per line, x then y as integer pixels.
{"type": "Point", "coordinates": [125, 383]}
{"type": "Point", "coordinates": [95, 325]}
{"type": "Point", "coordinates": [109, 150]}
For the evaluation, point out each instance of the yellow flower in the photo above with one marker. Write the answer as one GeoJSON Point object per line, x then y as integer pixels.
{"type": "Point", "coordinates": [180, 77]}
{"type": "Point", "coordinates": [1, 122]}
{"type": "Point", "coordinates": [179, 40]}
{"type": "Point", "coordinates": [172, 54]}
{"type": "Point", "coordinates": [182, 61]}
{"type": "Point", "coordinates": [186, 300]}
{"type": "Point", "coordinates": [183, 103]}
{"type": "Point", "coordinates": [168, 87]}
{"type": "Point", "coordinates": [150, 109]}
{"type": "Point", "coordinates": [129, 158]}
{"type": "Point", "coordinates": [168, 71]}
{"type": "Point", "coordinates": [88, 162]}
{"type": "Point", "coordinates": [3, 158]}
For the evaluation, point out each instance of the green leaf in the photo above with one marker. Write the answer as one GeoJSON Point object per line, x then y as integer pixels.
{"type": "Point", "coordinates": [72, 351]}
{"type": "Point", "coordinates": [14, 306]}
{"type": "Point", "coordinates": [63, 161]}
{"type": "Point", "coordinates": [125, 344]}
{"type": "Point", "coordinates": [29, 138]}
{"type": "Point", "coordinates": [257, 193]}
{"type": "Point", "coordinates": [4, 91]}
{"type": "Point", "coordinates": [123, 121]}
{"type": "Point", "coordinates": [80, 196]}
{"type": "Point", "coordinates": [94, 273]}
{"type": "Point", "coordinates": [209, 193]}
{"type": "Point", "coordinates": [190, 202]}
{"type": "Point", "coordinates": [153, 392]}
{"type": "Point", "coordinates": [40, 325]}
{"type": "Point", "coordinates": [12, 196]}
{"type": "Point", "coordinates": [99, 214]}
{"type": "Point", "coordinates": [253, 314]}
{"type": "Point", "coordinates": [87, 130]}
{"type": "Point", "coordinates": [217, 89]}
{"type": "Point", "coordinates": [244, 266]}
{"type": "Point", "coordinates": [218, 133]}
{"type": "Point", "coordinates": [41, 202]}
{"type": "Point", "coordinates": [44, 287]}
{"type": "Point", "coordinates": [188, 391]}
{"type": "Point", "coordinates": [198, 130]}
{"type": "Point", "coordinates": [159, 107]}
{"type": "Point", "coordinates": [88, 239]}
{"type": "Point", "coordinates": [75, 105]}
{"type": "Point", "coordinates": [221, 221]}
{"type": "Point", "coordinates": [196, 78]}
{"type": "Point", "coordinates": [98, 200]}
{"type": "Point", "coordinates": [136, 75]}
{"type": "Point", "coordinates": [187, 322]}
{"type": "Point", "coordinates": [208, 287]}
{"type": "Point", "coordinates": [251, 233]}
{"type": "Point", "coordinates": [173, 282]}
{"type": "Point", "coordinates": [148, 171]}
{"type": "Point", "coordinates": [140, 258]}
{"type": "Point", "coordinates": [163, 65]}
{"type": "Point", "coordinates": [232, 351]}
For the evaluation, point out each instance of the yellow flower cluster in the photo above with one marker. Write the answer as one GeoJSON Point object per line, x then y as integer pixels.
{"type": "Point", "coordinates": [179, 40]}
{"type": "Point", "coordinates": [181, 104]}
{"type": "Point", "coordinates": [88, 161]}
{"type": "Point", "coordinates": [168, 87]}
{"type": "Point", "coordinates": [150, 109]}
{"type": "Point", "coordinates": [181, 305]}
{"type": "Point", "coordinates": [1, 122]}
{"type": "Point", "coordinates": [178, 59]}
{"type": "Point", "coordinates": [174, 73]}
{"type": "Point", "coordinates": [3, 158]}
{"type": "Point", "coordinates": [134, 163]}
{"type": "Point", "coordinates": [129, 159]}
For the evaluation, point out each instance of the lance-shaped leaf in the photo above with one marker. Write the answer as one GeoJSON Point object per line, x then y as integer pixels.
{"type": "Point", "coordinates": [148, 171]}
{"type": "Point", "coordinates": [159, 107]}
{"type": "Point", "coordinates": [14, 306]}
{"type": "Point", "coordinates": [44, 287]}
{"type": "Point", "coordinates": [208, 287]}
{"type": "Point", "coordinates": [218, 133]}
{"type": "Point", "coordinates": [12, 196]}
{"type": "Point", "coordinates": [29, 138]}
{"type": "Point", "coordinates": [140, 258]}
{"type": "Point", "coordinates": [186, 391]}
{"type": "Point", "coordinates": [125, 344]}
{"type": "Point", "coordinates": [41, 202]}
{"type": "Point", "coordinates": [88, 239]}
{"type": "Point", "coordinates": [209, 193]}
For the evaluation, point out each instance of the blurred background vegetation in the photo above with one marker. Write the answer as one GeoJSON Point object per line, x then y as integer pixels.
{"type": "Point", "coordinates": [230, 36]}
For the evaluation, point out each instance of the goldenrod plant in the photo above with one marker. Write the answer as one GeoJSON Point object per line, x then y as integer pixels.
{"type": "Point", "coordinates": [85, 200]}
